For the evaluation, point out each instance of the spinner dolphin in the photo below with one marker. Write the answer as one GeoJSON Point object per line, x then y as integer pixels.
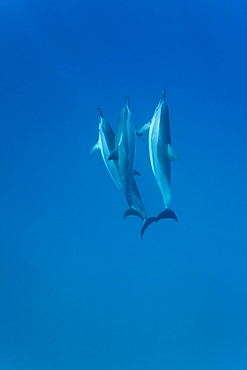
{"type": "Point", "coordinates": [124, 151]}
{"type": "Point", "coordinates": [161, 153]}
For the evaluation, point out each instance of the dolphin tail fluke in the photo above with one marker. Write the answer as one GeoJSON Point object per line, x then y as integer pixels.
{"type": "Point", "coordinates": [146, 223]}
{"type": "Point", "coordinates": [132, 212]}
{"type": "Point", "coordinates": [167, 213]}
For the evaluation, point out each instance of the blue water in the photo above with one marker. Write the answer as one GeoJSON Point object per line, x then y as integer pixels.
{"type": "Point", "coordinates": [79, 288]}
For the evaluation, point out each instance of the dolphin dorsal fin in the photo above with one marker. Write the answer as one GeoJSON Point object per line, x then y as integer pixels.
{"type": "Point", "coordinates": [113, 155]}
{"type": "Point", "coordinates": [172, 154]}
{"type": "Point", "coordinates": [136, 173]}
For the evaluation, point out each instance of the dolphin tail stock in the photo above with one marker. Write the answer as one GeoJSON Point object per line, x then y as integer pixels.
{"type": "Point", "coordinates": [146, 223]}
{"type": "Point", "coordinates": [132, 212]}
{"type": "Point", "coordinates": [167, 213]}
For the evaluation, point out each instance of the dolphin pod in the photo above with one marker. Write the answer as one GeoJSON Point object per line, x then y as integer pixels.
{"type": "Point", "coordinates": [118, 153]}
{"type": "Point", "coordinates": [106, 145]}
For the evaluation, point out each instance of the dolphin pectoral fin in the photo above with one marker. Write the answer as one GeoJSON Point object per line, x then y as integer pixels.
{"type": "Point", "coordinates": [140, 134]}
{"type": "Point", "coordinates": [113, 155]}
{"type": "Point", "coordinates": [172, 154]}
{"type": "Point", "coordinates": [167, 213]}
{"type": "Point", "coordinates": [94, 149]}
{"type": "Point", "coordinates": [146, 223]}
{"type": "Point", "coordinates": [136, 173]}
{"type": "Point", "coordinates": [143, 128]}
{"type": "Point", "coordinates": [132, 212]}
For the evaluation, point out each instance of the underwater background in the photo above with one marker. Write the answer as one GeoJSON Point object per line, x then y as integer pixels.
{"type": "Point", "coordinates": [79, 289]}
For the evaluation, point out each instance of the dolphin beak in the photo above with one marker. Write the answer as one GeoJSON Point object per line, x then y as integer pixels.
{"type": "Point", "coordinates": [100, 113]}
{"type": "Point", "coordinates": [163, 95]}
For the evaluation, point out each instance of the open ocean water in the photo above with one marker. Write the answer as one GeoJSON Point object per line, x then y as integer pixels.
{"type": "Point", "coordinates": [79, 289]}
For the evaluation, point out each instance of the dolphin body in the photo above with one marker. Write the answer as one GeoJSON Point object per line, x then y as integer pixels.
{"type": "Point", "coordinates": [106, 145]}
{"type": "Point", "coordinates": [161, 153]}
{"type": "Point", "coordinates": [124, 151]}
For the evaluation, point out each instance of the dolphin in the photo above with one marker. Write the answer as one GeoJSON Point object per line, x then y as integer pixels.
{"type": "Point", "coordinates": [105, 145]}
{"type": "Point", "coordinates": [124, 151]}
{"type": "Point", "coordinates": [161, 153]}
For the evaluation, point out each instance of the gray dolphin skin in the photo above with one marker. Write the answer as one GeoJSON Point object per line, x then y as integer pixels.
{"type": "Point", "coordinates": [124, 151]}
{"type": "Point", "coordinates": [106, 144]}
{"type": "Point", "coordinates": [161, 153]}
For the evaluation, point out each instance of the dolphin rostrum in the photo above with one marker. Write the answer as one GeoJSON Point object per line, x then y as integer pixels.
{"type": "Point", "coordinates": [161, 153]}
{"type": "Point", "coordinates": [106, 145]}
